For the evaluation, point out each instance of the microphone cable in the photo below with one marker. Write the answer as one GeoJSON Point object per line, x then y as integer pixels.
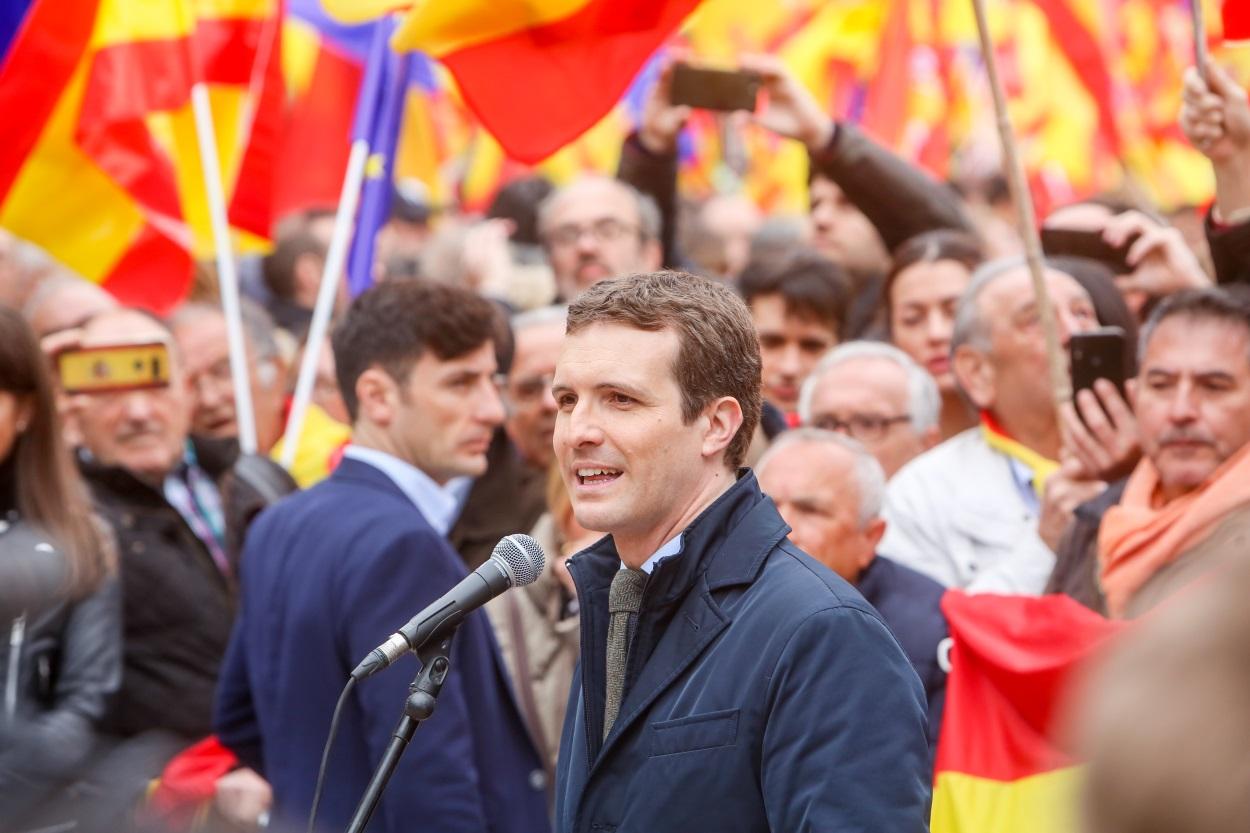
{"type": "Point", "coordinates": [325, 751]}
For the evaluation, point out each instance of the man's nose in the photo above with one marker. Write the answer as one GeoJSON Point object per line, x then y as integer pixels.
{"type": "Point", "coordinates": [490, 407]}
{"type": "Point", "coordinates": [1183, 407]}
{"type": "Point", "coordinates": [790, 361]}
{"type": "Point", "coordinates": [580, 428]}
{"type": "Point", "coordinates": [137, 406]}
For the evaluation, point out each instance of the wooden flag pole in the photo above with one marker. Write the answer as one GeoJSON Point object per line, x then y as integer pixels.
{"type": "Point", "coordinates": [1061, 384]}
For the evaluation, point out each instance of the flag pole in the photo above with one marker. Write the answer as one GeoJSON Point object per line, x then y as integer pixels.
{"type": "Point", "coordinates": [227, 274]}
{"type": "Point", "coordinates": [1061, 384]}
{"type": "Point", "coordinates": [340, 239]}
{"type": "Point", "coordinates": [228, 277]}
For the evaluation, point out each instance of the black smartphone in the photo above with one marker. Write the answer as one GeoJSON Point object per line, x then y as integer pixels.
{"type": "Point", "coordinates": [1088, 244]}
{"type": "Point", "coordinates": [714, 89]}
{"type": "Point", "coordinates": [1098, 354]}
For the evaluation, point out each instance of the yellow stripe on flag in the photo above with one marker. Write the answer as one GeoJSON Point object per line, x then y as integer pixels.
{"type": "Point", "coordinates": [140, 20]}
{"type": "Point", "coordinates": [441, 28]}
{"type": "Point", "coordinates": [1043, 803]}
{"type": "Point", "coordinates": [93, 221]}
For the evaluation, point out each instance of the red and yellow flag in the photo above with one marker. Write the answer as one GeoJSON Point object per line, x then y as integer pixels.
{"type": "Point", "coordinates": [1014, 660]}
{"type": "Point", "coordinates": [539, 73]}
{"type": "Point", "coordinates": [104, 172]}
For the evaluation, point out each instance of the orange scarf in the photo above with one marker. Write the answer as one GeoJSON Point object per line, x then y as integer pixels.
{"type": "Point", "coordinates": [998, 439]}
{"type": "Point", "coordinates": [1136, 540]}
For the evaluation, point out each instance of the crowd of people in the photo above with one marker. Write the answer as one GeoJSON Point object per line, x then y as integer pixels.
{"type": "Point", "coordinates": [878, 369]}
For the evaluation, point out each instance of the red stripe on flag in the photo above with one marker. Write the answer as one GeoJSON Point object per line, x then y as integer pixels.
{"type": "Point", "coordinates": [251, 206]}
{"type": "Point", "coordinates": [155, 273]}
{"type": "Point", "coordinates": [1013, 661]}
{"type": "Point", "coordinates": [1236, 19]}
{"type": "Point", "coordinates": [226, 48]}
{"type": "Point", "coordinates": [317, 137]}
{"type": "Point", "coordinates": [885, 108]}
{"type": "Point", "coordinates": [45, 52]}
{"type": "Point", "coordinates": [574, 71]}
{"type": "Point", "coordinates": [1088, 59]}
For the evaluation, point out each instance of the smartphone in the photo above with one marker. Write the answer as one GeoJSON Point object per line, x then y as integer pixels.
{"type": "Point", "coordinates": [1098, 354]}
{"type": "Point", "coordinates": [714, 89]}
{"type": "Point", "coordinates": [1087, 244]}
{"type": "Point", "coordinates": [114, 367]}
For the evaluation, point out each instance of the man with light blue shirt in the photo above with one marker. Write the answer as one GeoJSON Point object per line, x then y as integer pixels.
{"type": "Point", "coordinates": [728, 682]}
{"type": "Point", "coordinates": [330, 573]}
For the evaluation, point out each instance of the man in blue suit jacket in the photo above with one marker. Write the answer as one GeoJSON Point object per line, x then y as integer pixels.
{"type": "Point", "coordinates": [728, 681]}
{"type": "Point", "coordinates": [829, 489]}
{"type": "Point", "coordinates": [329, 574]}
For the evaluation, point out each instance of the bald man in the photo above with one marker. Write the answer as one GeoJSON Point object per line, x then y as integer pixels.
{"type": "Point", "coordinates": [596, 228]}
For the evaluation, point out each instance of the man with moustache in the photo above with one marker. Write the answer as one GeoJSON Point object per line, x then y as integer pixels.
{"type": "Point", "coordinates": [175, 505]}
{"type": "Point", "coordinates": [728, 681]}
{"type": "Point", "coordinates": [331, 573]}
{"type": "Point", "coordinates": [596, 228]}
{"type": "Point", "coordinates": [1141, 538]}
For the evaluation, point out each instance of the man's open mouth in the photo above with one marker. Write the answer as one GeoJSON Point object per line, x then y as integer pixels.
{"type": "Point", "coordinates": [591, 477]}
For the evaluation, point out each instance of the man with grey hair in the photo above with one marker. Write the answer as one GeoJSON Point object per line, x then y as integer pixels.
{"type": "Point", "coordinates": [200, 330]}
{"type": "Point", "coordinates": [829, 489]}
{"type": "Point", "coordinates": [977, 512]}
{"type": "Point", "coordinates": [876, 394]}
{"type": "Point", "coordinates": [596, 228]}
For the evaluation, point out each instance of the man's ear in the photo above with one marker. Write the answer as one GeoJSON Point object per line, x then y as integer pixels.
{"type": "Point", "coordinates": [724, 418]}
{"type": "Point", "coordinates": [975, 375]}
{"type": "Point", "coordinates": [873, 533]}
{"type": "Point", "coordinates": [377, 396]}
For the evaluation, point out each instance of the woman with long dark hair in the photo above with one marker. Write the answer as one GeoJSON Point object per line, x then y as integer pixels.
{"type": "Point", "coordinates": [60, 611]}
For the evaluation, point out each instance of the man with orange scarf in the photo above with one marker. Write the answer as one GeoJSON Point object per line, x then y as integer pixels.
{"type": "Point", "coordinates": [1192, 486]}
{"type": "Point", "coordinates": [982, 511]}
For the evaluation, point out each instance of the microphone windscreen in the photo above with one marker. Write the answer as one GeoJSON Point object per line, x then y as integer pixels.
{"type": "Point", "coordinates": [522, 557]}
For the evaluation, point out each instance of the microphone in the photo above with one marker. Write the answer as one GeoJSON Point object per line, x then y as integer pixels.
{"type": "Point", "coordinates": [516, 561]}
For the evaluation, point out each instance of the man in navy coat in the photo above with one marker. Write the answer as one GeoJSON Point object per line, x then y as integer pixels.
{"type": "Point", "coordinates": [829, 489]}
{"type": "Point", "coordinates": [329, 574]}
{"type": "Point", "coordinates": [758, 691]}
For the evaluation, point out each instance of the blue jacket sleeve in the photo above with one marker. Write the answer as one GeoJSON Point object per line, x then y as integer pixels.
{"type": "Point", "coordinates": [435, 785]}
{"type": "Point", "coordinates": [845, 747]}
{"type": "Point", "coordinates": [234, 713]}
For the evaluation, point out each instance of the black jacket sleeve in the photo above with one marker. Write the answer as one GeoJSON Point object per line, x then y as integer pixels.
{"type": "Point", "coordinates": [898, 198]}
{"type": "Point", "coordinates": [1230, 251]}
{"type": "Point", "coordinates": [655, 175]}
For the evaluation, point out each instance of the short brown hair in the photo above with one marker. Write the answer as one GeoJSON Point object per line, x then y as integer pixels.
{"type": "Point", "coordinates": [719, 352]}
{"type": "Point", "coordinates": [394, 323]}
{"type": "Point", "coordinates": [811, 286]}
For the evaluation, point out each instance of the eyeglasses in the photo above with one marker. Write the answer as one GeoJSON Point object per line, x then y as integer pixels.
{"type": "Point", "coordinates": [607, 230]}
{"type": "Point", "coordinates": [530, 388]}
{"type": "Point", "coordinates": [863, 427]}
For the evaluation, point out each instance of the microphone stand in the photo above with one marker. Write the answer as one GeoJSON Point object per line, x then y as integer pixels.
{"type": "Point", "coordinates": [423, 694]}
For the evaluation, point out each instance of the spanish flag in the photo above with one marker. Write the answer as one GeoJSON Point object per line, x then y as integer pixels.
{"type": "Point", "coordinates": [1014, 660]}
{"type": "Point", "coordinates": [102, 169]}
{"type": "Point", "coordinates": [539, 73]}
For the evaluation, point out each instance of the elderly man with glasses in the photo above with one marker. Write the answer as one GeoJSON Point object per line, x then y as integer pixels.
{"type": "Point", "coordinates": [596, 228]}
{"type": "Point", "coordinates": [876, 394]}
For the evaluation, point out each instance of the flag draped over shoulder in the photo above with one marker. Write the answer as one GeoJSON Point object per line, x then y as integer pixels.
{"type": "Point", "coordinates": [1014, 659]}
{"type": "Point", "coordinates": [103, 170]}
{"type": "Point", "coordinates": [539, 73]}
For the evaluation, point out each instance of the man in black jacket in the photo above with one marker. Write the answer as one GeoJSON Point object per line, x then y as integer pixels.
{"type": "Point", "coordinates": [177, 508]}
{"type": "Point", "coordinates": [728, 681]}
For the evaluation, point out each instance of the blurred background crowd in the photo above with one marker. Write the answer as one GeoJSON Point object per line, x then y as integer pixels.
{"type": "Point", "coordinates": [910, 435]}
